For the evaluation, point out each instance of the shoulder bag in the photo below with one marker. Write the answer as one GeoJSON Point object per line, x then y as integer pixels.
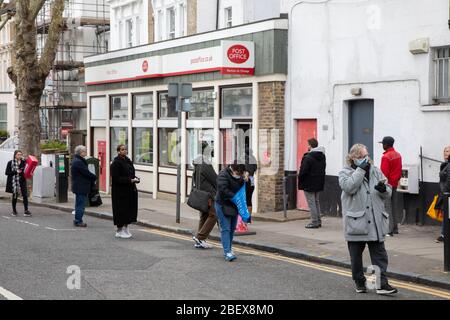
{"type": "Point", "coordinates": [198, 199]}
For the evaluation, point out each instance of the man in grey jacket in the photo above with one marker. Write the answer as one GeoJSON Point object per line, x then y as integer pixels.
{"type": "Point", "coordinates": [364, 191]}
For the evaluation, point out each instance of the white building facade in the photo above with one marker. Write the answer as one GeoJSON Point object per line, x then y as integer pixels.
{"type": "Point", "coordinates": [129, 23]}
{"type": "Point", "coordinates": [8, 111]}
{"type": "Point", "coordinates": [361, 70]}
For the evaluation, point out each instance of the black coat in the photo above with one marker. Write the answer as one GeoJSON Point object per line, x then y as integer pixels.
{"type": "Point", "coordinates": [82, 178]}
{"type": "Point", "coordinates": [444, 177]}
{"type": "Point", "coordinates": [124, 193]}
{"type": "Point", "coordinates": [227, 187]}
{"type": "Point", "coordinates": [207, 177]}
{"type": "Point", "coordinates": [11, 173]}
{"type": "Point", "coordinates": [311, 177]}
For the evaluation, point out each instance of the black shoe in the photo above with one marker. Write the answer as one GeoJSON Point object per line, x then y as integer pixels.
{"type": "Point", "coordinates": [390, 234]}
{"type": "Point", "coordinates": [361, 287]}
{"type": "Point", "coordinates": [14, 214]}
{"type": "Point", "coordinates": [80, 225]}
{"type": "Point", "coordinates": [312, 226]}
{"type": "Point", "coordinates": [440, 239]}
{"type": "Point", "coordinates": [27, 214]}
{"type": "Point", "coordinates": [395, 231]}
{"type": "Point", "coordinates": [387, 289]}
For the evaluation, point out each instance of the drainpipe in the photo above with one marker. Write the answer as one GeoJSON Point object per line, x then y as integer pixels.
{"type": "Point", "coordinates": [217, 14]}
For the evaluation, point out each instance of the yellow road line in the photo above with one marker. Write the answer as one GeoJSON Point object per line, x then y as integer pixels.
{"type": "Point", "coordinates": [312, 265]}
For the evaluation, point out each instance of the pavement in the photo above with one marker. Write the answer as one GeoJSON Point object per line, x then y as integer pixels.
{"type": "Point", "coordinates": [45, 257]}
{"type": "Point", "coordinates": [413, 254]}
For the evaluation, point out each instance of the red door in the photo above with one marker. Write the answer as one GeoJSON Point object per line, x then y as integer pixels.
{"type": "Point", "coordinates": [306, 129]}
{"type": "Point", "coordinates": [101, 149]}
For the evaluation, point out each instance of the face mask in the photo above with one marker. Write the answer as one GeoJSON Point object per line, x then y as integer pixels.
{"type": "Point", "coordinates": [359, 162]}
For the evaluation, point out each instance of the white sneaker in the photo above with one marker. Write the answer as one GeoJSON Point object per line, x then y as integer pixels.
{"type": "Point", "coordinates": [127, 231]}
{"type": "Point", "coordinates": [119, 234]}
{"type": "Point", "coordinates": [124, 234]}
{"type": "Point", "coordinates": [205, 245]}
{"type": "Point", "coordinates": [73, 212]}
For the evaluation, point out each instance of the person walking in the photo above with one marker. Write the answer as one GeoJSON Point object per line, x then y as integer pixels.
{"type": "Point", "coordinates": [444, 185]}
{"type": "Point", "coordinates": [82, 180]}
{"type": "Point", "coordinates": [206, 178]}
{"type": "Point", "coordinates": [391, 166]}
{"type": "Point", "coordinates": [364, 191]}
{"type": "Point", "coordinates": [229, 182]}
{"type": "Point", "coordinates": [16, 183]}
{"type": "Point", "coordinates": [311, 179]}
{"type": "Point", "coordinates": [124, 194]}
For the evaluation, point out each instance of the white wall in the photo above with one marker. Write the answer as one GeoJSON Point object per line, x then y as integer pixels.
{"type": "Point", "coordinates": [206, 15]}
{"type": "Point", "coordinates": [160, 8]}
{"type": "Point", "coordinates": [120, 12]}
{"type": "Point", "coordinates": [335, 45]}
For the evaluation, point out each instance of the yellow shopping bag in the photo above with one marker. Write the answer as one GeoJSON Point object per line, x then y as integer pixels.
{"type": "Point", "coordinates": [433, 213]}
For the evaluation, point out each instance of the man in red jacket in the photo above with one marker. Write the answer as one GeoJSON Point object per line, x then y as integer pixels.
{"type": "Point", "coordinates": [391, 166]}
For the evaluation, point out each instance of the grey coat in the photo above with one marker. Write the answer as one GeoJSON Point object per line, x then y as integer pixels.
{"type": "Point", "coordinates": [364, 214]}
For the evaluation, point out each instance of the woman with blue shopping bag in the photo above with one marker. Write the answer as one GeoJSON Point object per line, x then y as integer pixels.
{"type": "Point", "coordinates": [229, 183]}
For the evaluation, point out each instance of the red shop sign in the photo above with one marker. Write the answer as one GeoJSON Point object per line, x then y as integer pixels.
{"type": "Point", "coordinates": [238, 54]}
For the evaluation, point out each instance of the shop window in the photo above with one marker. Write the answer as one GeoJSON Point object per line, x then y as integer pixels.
{"type": "Point", "coordinates": [98, 108]}
{"type": "Point", "coordinates": [196, 137]}
{"type": "Point", "coordinates": [143, 106]}
{"type": "Point", "coordinates": [168, 147]}
{"type": "Point", "coordinates": [119, 107]}
{"type": "Point", "coordinates": [143, 146]}
{"type": "Point", "coordinates": [118, 136]}
{"type": "Point", "coordinates": [202, 104]}
{"type": "Point", "coordinates": [237, 103]}
{"type": "Point", "coordinates": [167, 106]}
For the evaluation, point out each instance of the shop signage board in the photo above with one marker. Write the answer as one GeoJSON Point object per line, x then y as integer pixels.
{"type": "Point", "coordinates": [231, 57]}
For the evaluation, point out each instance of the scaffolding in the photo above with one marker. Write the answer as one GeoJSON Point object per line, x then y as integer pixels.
{"type": "Point", "coordinates": [85, 33]}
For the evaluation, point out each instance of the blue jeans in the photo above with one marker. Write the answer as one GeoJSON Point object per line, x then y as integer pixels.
{"type": "Point", "coordinates": [227, 228]}
{"type": "Point", "coordinates": [80, 203]}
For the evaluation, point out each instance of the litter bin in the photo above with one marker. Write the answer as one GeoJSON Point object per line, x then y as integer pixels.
{"type": "Point", "coordinates": [62, 176]}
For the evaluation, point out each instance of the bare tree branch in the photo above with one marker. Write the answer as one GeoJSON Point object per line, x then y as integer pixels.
{"type": "Point", "coordinates": [35, 7]}
{"type": "Point", "coordinates": [3, 24]}
{"type": "Point", "coordinates": [54, 33]}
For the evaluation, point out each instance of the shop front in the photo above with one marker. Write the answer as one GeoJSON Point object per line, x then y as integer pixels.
{"type": "Point", "coordinates": [238, 81]}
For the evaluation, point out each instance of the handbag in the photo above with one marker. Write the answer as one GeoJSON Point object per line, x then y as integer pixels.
{"type": "Point", "coordinates": [198, 199]}
{"type": "Point", "coordinates": [94, 197]}
{"type": "Point", "coordinates": [240, 200]}
{"type": "Point", "coordinates": [435, 213]}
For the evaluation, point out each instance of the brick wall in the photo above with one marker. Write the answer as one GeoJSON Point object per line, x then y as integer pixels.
{"type": "Point", "coordinates": [271, 116]}
{"type": "Point", "coordinates": [191, 17]}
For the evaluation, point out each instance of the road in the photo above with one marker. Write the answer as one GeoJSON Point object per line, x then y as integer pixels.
{"type": "Point", "coordinates": [35, 254]}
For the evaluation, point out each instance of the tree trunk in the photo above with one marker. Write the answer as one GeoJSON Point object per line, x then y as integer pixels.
{"type": "Point", "coordinates": [29, 73]}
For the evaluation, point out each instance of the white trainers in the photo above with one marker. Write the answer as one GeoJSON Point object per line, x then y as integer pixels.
{"type": "Point", "coordinates": [124, 234]}
{"type": "Point", "coordinates": [119, 234]}
{"type": "Point", "coordinates": [126, 230]}
{"type": "Point", "coordinates": [205, 245]}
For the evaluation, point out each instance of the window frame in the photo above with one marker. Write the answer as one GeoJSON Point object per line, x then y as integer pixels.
{"type": "Point", "coordinates": [133, 105]}
{"type": "Point", "coordinates": [438, 81]}
{"type": "Point", "coordinates": [228, 19]}
{"type": "Point", "coordinates": [160, 93]}
{"type": "Point", "coordinates": [160, 149]}
{"type": "Point", "coordinates": [206, 89]}
{"type": "Point", "coordinates": [113, 151]}
{"type": "Point", "coordinates": [134, 130]}
{"type": "Point", "coordinates": [111, 97]}
{"type": "Point", "coordinates": [224, 88]}
{"type": "Point", "coordinates": [171, 34]}
{"type": "Point", "coordinates": [106, 108]}
{"type": "Point", "coordinates": [5, 121]}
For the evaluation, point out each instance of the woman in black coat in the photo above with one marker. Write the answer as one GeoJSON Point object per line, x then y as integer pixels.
{"type": "Point", "coordinates": [16, 183]}
{"type": "Point", "coordinates": [229, 182]}
{"type": "Point", "coordinates": [444, 184]}
{"type": "Point", "coordinates": [124, 192]}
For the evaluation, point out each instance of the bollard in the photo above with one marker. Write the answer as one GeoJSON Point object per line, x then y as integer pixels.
{"type": "Point", "coordinates": [446, 223]}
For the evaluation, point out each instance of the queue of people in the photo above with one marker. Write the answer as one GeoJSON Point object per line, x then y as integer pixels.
{"type": "Point", "coordinates": [369, 198]}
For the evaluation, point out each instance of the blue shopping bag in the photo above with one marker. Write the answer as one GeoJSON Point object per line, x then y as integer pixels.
{"type": "Point", "coordinates": [240, 200]}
